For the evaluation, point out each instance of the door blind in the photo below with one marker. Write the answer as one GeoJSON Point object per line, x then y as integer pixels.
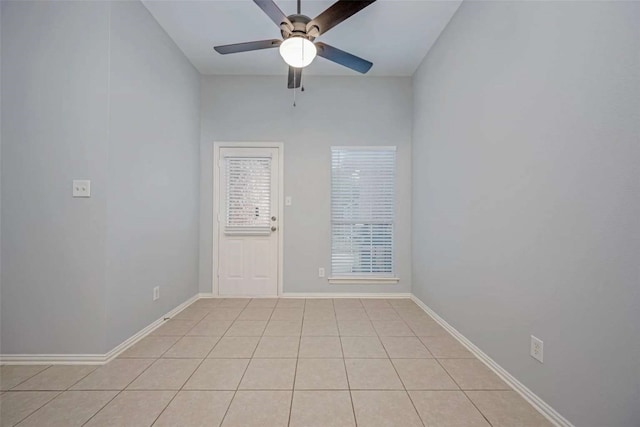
{"type": "Point", "coordinates": [362, 211]}
{"type": "Point", "coordinates": [248, 200]}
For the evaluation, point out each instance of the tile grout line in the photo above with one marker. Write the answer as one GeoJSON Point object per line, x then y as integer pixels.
{"type": "Point", "coordinates": [27, 379]}
{"type": "Point", "coordinates": [344, 364]}
{"type": "Point", "coordinates": [60, 392]}
{"type": "Point", "coordinates": [396, 371]}
{"type": "Point", "coordinates": [295, 372]}
{"type": "Point", "coordinates": [235, 392]}
{"type": "Point", "coordinates": [129, 383]}
{"type": "Point", "coordinates": [192, 373]}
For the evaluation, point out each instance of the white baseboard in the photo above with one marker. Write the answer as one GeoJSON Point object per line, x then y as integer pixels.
{"type": "Point", "coordinates": [90, 359]}
{"type": "Point", "coordinates": [390, 295]}
{"type": "Point", "coordinates": [540, 405]}
{"type": "Point", "coordinates": [146, 331]}
{"type": "Point", "coordinates": [52, 359]}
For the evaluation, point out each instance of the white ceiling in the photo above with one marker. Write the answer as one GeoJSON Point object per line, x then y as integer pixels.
{"type": "Point", "coordinates": [393, 34]}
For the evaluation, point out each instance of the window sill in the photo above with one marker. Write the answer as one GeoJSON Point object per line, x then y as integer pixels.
{"type": "Point", "coordinates": [364, 280]}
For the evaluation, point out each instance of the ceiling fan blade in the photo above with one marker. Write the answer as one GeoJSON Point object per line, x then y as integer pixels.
{"type": "Point", "coordinates": [343, 58]}
{"type": "Point", "coordinates": [336, 13]}
{"type": "Point", "coordinates": [295, 75]}
{"type": "Point", "coordinates": [248, 46]}
{"type": "Point", "coordinates": [274, 12]}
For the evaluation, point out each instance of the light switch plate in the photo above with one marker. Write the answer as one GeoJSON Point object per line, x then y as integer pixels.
{"type": "Point", "coordinates": [81, 188]}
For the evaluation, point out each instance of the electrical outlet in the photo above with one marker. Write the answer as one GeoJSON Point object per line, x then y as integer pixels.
{"type": "Point", "coordinates": [537, 349]}
{"type": "Point", "coordinates": [81, 188]}
{"type": "Point", "coordinates": [320, 272]}
{"type": "Point", "coordinates": [156, 293]}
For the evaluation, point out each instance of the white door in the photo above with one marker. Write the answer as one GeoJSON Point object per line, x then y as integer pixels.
{"type": "Point", "coordinates": [248, 221]}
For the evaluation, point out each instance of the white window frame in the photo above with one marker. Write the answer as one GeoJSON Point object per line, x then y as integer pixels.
{"type": "Point", "coordinates": [364, 278]}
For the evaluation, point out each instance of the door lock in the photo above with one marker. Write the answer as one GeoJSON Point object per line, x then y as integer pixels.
{"type": "Point", "coordinates": [273, 218]}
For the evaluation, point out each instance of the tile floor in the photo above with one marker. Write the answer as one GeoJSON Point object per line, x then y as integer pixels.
{"type": "Point", "coordinates": [275, 362]}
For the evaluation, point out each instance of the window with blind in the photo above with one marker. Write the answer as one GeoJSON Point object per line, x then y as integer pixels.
{"type": "Point", "coordinates": [362, 212]}
{"type": "Point", "coordinates": [248, 201]}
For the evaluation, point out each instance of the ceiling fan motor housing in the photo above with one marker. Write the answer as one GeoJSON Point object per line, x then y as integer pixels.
{"type": "Point", "coordinates": [299, 23]}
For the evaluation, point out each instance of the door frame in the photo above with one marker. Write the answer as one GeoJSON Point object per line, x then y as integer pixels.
{"type": "Point", "coordinates": [217, 145]}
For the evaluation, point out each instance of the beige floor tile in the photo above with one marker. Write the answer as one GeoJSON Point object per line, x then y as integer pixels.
{"type": "Point", "coordinates": [115, 375]}
{"type": "Point", "coordinates": [191, 313]}
{"type": "Point", "coordinates": [384, 409]}
{"type": "Point", "coordinates": [195, 409]}
{"type": "Point", "coordinates": [165, 374]}
{"type": "Point", "coordinates": [71, 408]}
{"type": "Point", "coordinates": [382, 314]}
{"type": "Point", "coordinates": [12, 375]}
{"type": "Point", "coordinates": [250, 313]}
{"type": "Point", "coordinates": [283, 328]}
{"type": "Point", "coordinates": [263, 303]}
{"type": "Point", "coordinates": [320, 347]}
{"type": "Point", "coordinates": [290, 303]}
{"type": "Point", "coordinates": [392, 328]}
{"type": "Point", "coordinates": [319, 303]}
{"type": "Point", "coordinates": [15, 406]}
{"type": "Point", "coordinates": [174, 327]}
{"type": "Point", "coordinates": [132, 408]}
{"type": "Point", "coordinates": [59, 377]}
{"type": "Point", "coordinates": [259, 409]}
{"type": "Point", "coordinates": [223, 313]}
{"type": "Point", "coordinates": [319, 314]}
{"type": "Point", "coordinates": [423, 374]}
{"type": "Point", "coordinates": [363, 347]}
{"type": "Point", "coordinates": [346, 303]}
{"type": "Point", "coordinates": [191, 347]}
{"type": "Point", "coordinates": [277, 347]}
{"type": "Point", "coordinates": [234, 302]}
{"type": "Point", "coordinates": [322, 409]}
{"type": "Point", "coordinates": [507, 408]}
{"type": "Point", "coordinates": [320, 328]}
{"type": "Point", "coordinates": [150, 346]}
{"type": "Point", "coordinates": [351, 314]}
{"type": "Point", "coordinates": [290, 314]}
{"type": "Point", "coordinates": [218, 374]}
{"type": "Point", "coordinates": [356, 328]}
{"type": "Point", "coordinates": [321, 374]}
{"type": "Point", "coordinates": [402, 303]}
{"type": "Point", "coordinates": [405, 348]}
{"type": "Point", "coordinates": [471, 374]}
{"type": "Point", "coordinates": [210, 328]}
{"type": "Point", "coordinates": [371, 303]}
{"type": "Point", "coordinates": [427, 328]}
{"type": "Point", "coordinates": [234, 347]}
{"type": "Point", "coordinates": [246, 328]}
{"type": "Point", "coordinates": [269, 374]}
{"type": "Point", "coordinates": [372, 374]}
{"type": "Point", "coordinates": [205, 303]}
{"type": "Point", "coordinates": [446, 347]}
{"type": "Point", "coordinates": [447, 409]}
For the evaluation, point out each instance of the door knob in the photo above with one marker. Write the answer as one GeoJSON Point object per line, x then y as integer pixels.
{"type": "Point", "coordinates": [273, 228]}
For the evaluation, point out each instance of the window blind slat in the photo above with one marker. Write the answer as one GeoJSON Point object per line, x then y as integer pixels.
{"type": "Point", "coordinates": [362, 211]}
{"type": "Point", "coordinates": [248, 195]}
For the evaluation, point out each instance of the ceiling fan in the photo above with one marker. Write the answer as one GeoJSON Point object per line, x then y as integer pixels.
{"type": "Point", "coordinates": [297, 46]}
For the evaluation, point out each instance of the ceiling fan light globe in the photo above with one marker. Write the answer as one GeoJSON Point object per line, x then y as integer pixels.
{"type": "Point", "coordinates": [298, 52]}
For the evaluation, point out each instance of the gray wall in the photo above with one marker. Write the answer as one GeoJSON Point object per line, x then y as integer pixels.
{"type": "Point", "coordinates": [525, 202]}
{"type": "Point", "coordinates": [54, 129]}
{"type": "Point", "coordinates": [332, 111]}
{"type": "Point", "coordinates": [94, 90]}
{"type": "Point", "coordinates": [153, 173]}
